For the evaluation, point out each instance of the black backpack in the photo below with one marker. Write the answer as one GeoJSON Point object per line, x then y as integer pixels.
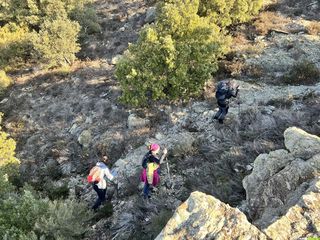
{"type": "Point", "coordinates": [222, 90]}
{"type": "Point", "coordinates": [145, 160]}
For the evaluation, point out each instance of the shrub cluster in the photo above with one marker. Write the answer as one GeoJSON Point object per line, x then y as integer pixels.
{"type": "Point", "coordinates": [25, 215]}
{"type": "Point", "coordinates": [174, 57]}
{"type": "Point", "coordinates": [5, 81]}
{"type": "Point", "coordinates": [304, 72]}
{"type": "Point", "coordinates": [43, 31]}
{"type": "Point", "coordinates": [225, 13]}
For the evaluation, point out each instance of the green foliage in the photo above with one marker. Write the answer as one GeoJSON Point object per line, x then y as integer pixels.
{"type": "Point", "coordinates": [173, 58]}
{"type": "Point", "coordinates": [225, 13]}
{"type": "Point", "coordinates": [104, 212]}
{"type": "Point", "coordinates": [88, 20]}
{"type": "Point", "coordinates": [25, 24]}
{"type": "Point", "coordinates": [25, 215]}
{"type": "Point", "coordinates": [56, 42]}
{"type": "Point", "coordinates": [19, 214]}
{"type": "Point", "coordinates": [158, 222]}
{"type": "Point", "coordinates": [14, 46]}
{"type": "Point", "coordinates": [8, 162]}
{"type": "Point", "coordinates": [57, 192]}
{"type": "Point", "coordinates": [5, 81]}
{"type": "Point", "coordinates": [63, 220]}
{"type": "Point", "coordinates": [304, 72]}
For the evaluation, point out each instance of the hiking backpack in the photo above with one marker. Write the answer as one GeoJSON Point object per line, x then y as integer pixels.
{"type": "Point", "coordinates": [145, 160]}
{"type": "Point", "coordinates": [222, 90]}
{"type": "Point", "coordinates": [94, 175]}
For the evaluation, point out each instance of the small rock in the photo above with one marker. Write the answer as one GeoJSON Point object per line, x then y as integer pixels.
{"type": "Point", "coordinates": [4, 101]}
{"type": "Point", "coordinates": [85, 138]}
{"type": "Point", "coordinates": [137, 122]}
{"type": "Point", "coordinates": [115, 59]}
{"type": "Point", "coordinates": [159, 136]}
{"type": "Point", "coordinates": [249, 167]}
{"type": "Point", "coordinates": [150, 15]}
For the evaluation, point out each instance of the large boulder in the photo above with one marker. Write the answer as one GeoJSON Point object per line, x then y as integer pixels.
{"type": "Point", "coordinates": [205, 217]}
{"type": "Point", "coordinates": [280, 178]}
{"type": "Point", "coordinates": [301, 143]}
{"type": "Point", "coordinates": [302, 220]}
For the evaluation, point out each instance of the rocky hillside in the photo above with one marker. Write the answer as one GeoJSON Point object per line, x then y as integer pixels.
{"type": "Point", "coordinates": [63, 121]}
{"type": "Point", "coordinates": [283, 192]}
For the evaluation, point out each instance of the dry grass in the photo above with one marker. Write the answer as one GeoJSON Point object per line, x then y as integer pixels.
{"type": "Point", "coordinates": [254, 71]}
{"type": "Point", "coordinates": [304, 72]}
{"type": "Point", "coordinates": [270, 20]}
{"type": "Point", "coordinates": [232, 68]}
{"type": "Point", "coordinates": [314, 28]}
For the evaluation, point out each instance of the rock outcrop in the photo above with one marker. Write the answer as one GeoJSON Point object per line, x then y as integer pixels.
{"type": "Point", "coordinates": [283, 198]}
{"type": "Point", "coordinates": [129, 167]}
{"type": "Point", "coordinates": [205, 217]}
{"type": "Point", "coordinates": [301, 220]}
{"type": "Point", "coordinates": [280, 178]}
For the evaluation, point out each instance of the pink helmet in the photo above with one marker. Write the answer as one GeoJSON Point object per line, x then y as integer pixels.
{"type": "Point", "coordinates": [154, 147]}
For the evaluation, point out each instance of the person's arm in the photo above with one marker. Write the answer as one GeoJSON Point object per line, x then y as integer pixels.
{"type": "Point", "coordinates": [234, 91]}
{"type": "Point", "coordinates": [165, 151]}
{"type": "Point", "coordinates": [108, 174]}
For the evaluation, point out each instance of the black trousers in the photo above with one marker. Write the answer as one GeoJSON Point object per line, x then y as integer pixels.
{"type": "Point", "coordinates": [223, 110]}
{"type": "Point", "coordinates": [101, 196]}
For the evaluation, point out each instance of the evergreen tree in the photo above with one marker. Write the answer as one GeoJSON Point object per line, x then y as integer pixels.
{"type": "Point", "coordinates": [173, 58]}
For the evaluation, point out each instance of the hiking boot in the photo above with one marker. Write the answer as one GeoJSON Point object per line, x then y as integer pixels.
{"type": "Point", "coordinates": [220, 121]}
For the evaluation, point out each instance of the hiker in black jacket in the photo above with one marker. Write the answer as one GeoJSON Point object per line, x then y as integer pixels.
{"type": "Point", "coordinates": [225, 90]}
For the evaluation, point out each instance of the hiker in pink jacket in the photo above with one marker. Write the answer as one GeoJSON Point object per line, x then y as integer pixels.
{"type": "Point", "coordinates": [151, 168]}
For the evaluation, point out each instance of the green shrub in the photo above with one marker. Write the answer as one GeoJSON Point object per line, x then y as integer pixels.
{"type": "Point", "coordinates": [63, 220]}
{"type": "Point", "coordinates": [88, 20]}
{"type": "Point", "coordinates": [8, 162]}
{"type": "Point", "coordinates": [14, 46]}
{"type": "Point", "coordinates": [56, 42]}
{"type": "Point", "coordinates": [225, 13]}
{"type": "Point", "coordinates": [304, 72]}
{"type": "Point", "coordinates": [5, 81]}
{"type": "Point", "coordinates": [26, 216]}
{"type": "Point", "coordinates": [158, 222]}
{"type": "Point", "coordinates": [57, 192]}
{"type": "Point", "coordinates": [173, 58]}
{"type": "Point", "coordinates": [50, 21]}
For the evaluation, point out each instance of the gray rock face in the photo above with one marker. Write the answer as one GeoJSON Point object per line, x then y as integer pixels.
{"type": "Point", "coordinates": [280, 178]}
{"type": "Point", "coordinates": [301, 220]}
{"type": "Point", "coordinates": [150, 15]}
{"type": "Point", "coordinates": [299, 142]}
{"type": "Point", "coordinates": [205, 217]}
{"type": "Point", "coordinates": [137, 122]}
{"type": "Point", "coordinates": [283, 197]}
{"type": "Point", "coordinates": [276, 58]}
{"type": "Point", "coordinates": [130, 166]}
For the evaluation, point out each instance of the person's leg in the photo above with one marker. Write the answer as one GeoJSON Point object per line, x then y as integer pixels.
{"type": "Point", "coordinates": [101, 196]}
{"type": "Point", "coordinates": [146, 189]}
{"type": "Point", "coordinates": [216, 116]}
{"type": "Point", "coordinates": [224, 110]}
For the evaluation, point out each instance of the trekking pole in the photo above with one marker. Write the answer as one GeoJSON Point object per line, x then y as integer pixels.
{"type": "Point", "coordinates": [168, 169]}
{"type": "Point", "coordinates": [239, 103]}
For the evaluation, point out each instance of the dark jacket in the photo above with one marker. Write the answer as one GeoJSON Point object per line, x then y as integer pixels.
{"type": "Point", "coordinates": [149, 158]}
{"type": "Point", "coordinates": [225, 91]}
